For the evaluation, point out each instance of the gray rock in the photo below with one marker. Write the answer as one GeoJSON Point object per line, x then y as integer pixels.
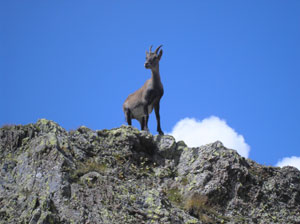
{"type": "Point", "coordinates": [49, 175]}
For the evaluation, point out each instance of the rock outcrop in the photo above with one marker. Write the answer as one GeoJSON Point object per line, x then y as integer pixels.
{"type": "Point", "coordinates": [49, 175]}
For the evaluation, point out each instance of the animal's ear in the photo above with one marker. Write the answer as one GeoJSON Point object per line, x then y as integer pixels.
{"type": "Point", "coordinates": [147, 53]}
{"type": "Point", "coordinates": [160, 54]}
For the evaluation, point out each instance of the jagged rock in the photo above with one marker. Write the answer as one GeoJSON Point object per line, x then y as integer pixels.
{"type": "Point", "coordinates": [49, 175]}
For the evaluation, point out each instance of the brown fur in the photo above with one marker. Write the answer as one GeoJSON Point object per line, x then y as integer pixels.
{"type": "Point", "coordinates": [140, 104]}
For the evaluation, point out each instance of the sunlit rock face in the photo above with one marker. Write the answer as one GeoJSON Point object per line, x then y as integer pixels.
{"type": "Point", "coordinates": [123, 175]}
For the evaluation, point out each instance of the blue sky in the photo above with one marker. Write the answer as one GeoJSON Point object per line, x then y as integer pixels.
{"type": "Point", "coordinates": [75, 62]}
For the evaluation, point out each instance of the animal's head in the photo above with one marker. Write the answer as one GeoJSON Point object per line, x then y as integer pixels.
{"type": "Point", "coordinates": [153, 58]}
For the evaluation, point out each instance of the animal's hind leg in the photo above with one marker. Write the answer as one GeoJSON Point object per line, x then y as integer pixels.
{"type": "Point", "coordinates": [145, 118]}
{"type": "Point", "coordinates": [128, 117]}
{"type": "Point", "coordinates": [146, 123]}
{"type": "Point", "coordinates": [142, 123]}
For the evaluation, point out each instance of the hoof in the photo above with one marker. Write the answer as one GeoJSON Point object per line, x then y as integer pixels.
{"type": "Point", "coordinates": [160, 133]}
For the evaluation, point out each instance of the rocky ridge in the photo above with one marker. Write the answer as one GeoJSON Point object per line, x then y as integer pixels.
{"type": "Point", "coordinates": [49, 175]}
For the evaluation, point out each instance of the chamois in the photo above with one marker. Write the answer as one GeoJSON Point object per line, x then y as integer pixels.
{"type": "Point", "coordinates": [140, 104]}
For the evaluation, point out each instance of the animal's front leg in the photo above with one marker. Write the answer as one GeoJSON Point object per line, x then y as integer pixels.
{"type": "Point", "coordinates": [156, 108]}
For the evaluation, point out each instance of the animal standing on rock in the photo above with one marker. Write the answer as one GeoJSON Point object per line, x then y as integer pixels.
{"type": "Point", "coordinates": [140, 104]}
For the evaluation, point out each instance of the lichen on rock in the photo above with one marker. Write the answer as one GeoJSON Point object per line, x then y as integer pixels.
{"type": "Point", "coordinates": [123, 175]}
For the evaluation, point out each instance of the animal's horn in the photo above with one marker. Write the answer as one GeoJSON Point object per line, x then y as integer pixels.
{"type": "Point", "coordinates": [150, 48]}
{"type": "Point", "coordinates": [157, 49]}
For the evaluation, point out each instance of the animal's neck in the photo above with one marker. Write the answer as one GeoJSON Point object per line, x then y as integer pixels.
{"type": "Point", "coordinates": [155, 75]}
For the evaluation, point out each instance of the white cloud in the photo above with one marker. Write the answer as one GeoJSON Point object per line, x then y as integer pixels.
{"type": "Point", "coordinates": [196, 133]}
{"type": "Point", "coordinates": [289, 161]}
